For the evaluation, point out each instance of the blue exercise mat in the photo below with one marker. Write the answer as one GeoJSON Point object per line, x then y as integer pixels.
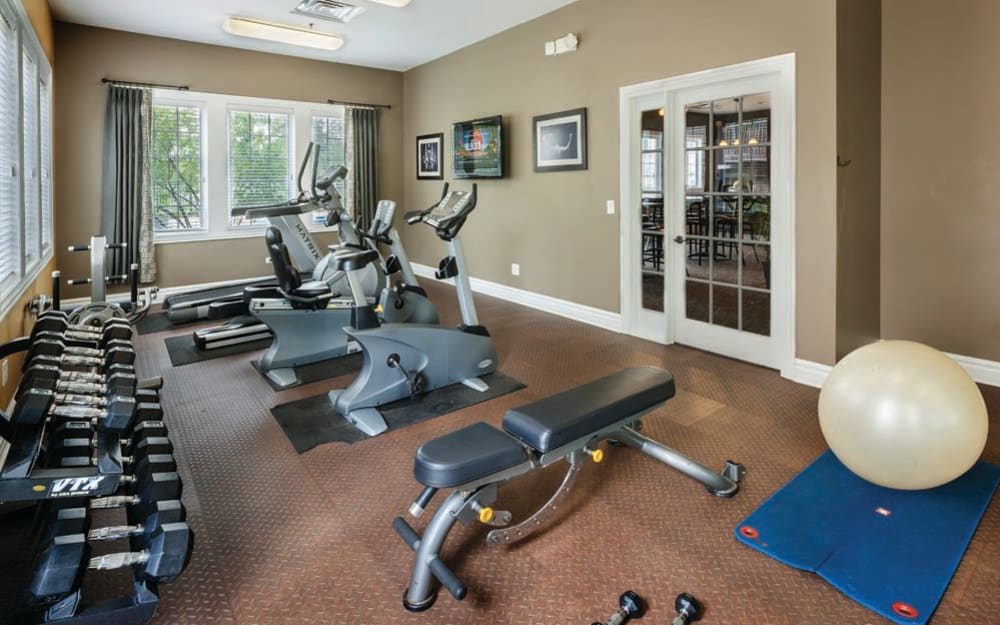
{"type": "Point", "coordinates": [892, 551]}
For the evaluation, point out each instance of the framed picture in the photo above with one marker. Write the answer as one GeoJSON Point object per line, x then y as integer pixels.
{"type": "Point", "coordinates": [559, 141]}
{"type": "Point", "coordinates": [478, 148]}
{"type": "Point", "coordinates": [430, 160]}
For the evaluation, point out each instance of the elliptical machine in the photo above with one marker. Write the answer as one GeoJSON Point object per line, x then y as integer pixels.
{"type": "Point", "coordinates": [307, 319]}
{"type": "Point", "coordinates": [303, 253]}
{"type": "Point", "coordinates": [407, 360]}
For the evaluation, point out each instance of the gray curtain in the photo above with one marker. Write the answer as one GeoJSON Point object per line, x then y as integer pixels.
{"type": "Point", "coordinates": [363, 163]}
{"type": "Point", "coordinates": [126, 209]}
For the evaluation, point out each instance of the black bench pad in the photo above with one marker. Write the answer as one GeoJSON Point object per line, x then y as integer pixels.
{"type": "Point", "coordinates": [466, 455]}
{"type": "Point", "coordinates": [560, 419]}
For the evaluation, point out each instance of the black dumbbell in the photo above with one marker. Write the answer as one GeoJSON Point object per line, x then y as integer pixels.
{"type": "Point", "coordinates": [117, 383]}
{"type": "Point", "coordinates": [688, 609]}
{"type": "Point", "coordinates": [630, 606]}
{"type": "Point", "coordinates": [58, 320]}
{"type": "Point", "coordinates": [55, 346]}
{"type": "Point", "coordinates": [84, 336]}
{"type": "Point", "coordinates": [84, 429]}
{"type": "Point", "coordinates": [77, 521]}
{"type": "Point", "coordinates": [53, 354]}
{"type": "Point", "coordinates": [49, 368]}
{"type": "Point", "coordinates": [163, 554]}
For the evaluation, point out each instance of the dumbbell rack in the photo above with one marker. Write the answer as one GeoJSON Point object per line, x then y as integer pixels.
{"type": "Point", "coordinates": [85, 435]}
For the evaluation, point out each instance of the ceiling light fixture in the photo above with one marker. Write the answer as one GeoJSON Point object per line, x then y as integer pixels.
{"type": "Point", "coordinates": [332, 10]}
{"type": "Point", "coordinates": [292, 35]}
{"type": "Point", "coordinates": [393, 3]}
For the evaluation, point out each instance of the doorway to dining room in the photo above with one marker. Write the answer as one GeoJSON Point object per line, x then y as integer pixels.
{"type": "Point", "coordinates": [707, 197]}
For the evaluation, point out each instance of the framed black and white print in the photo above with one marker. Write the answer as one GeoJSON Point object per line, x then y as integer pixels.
{"type": "Point", "coordinates": [430, 159]}
{"type": "Point", "coordinates": [560, 141]}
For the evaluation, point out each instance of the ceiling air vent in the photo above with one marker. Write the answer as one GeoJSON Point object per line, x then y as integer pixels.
{"type": "Point", "coordinates": [332, 10]}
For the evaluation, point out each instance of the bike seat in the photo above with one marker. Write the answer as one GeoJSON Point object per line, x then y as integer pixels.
{"type": "Point", "coordinates": [351, 260]}
{"type": "Point", "coordinates": [466, 455]}
{"type": "Point", "coordinates": [558, 420]}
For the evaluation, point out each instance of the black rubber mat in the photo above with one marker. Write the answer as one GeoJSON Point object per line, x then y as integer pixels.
{"type": "Point", "coordinates": [313, 421]}
{"type": "Point", "coordinates": [153, 323]}
{"type": "Point", "coordinates": [183, 351]}
{"type": "Point", "coordinates": [322, 370]}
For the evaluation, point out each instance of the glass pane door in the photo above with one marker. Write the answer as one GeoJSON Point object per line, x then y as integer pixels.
{"type": "Point", "coordinates": [727, 204]}
{"type": "Point", "coordinates": [651, 209]}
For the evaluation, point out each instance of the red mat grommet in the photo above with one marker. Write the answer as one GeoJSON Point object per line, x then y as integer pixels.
{"type": "Point", "coordinates": [749, 532]}
{"type": "Point", "coordinates": [905, 610]}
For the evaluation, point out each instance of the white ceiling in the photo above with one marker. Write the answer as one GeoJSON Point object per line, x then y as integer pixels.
{"type": "Point", "coordinates": [383, 36]}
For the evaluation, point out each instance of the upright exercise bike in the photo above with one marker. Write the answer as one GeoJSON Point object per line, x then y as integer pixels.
{"type": "Point", "coordinates": [406, 360]}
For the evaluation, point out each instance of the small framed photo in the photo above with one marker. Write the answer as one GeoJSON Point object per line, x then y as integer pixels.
{"type": "Point", "coordinates": [560, 141]}
{"type": "Point", "coordinates": [430, 160]}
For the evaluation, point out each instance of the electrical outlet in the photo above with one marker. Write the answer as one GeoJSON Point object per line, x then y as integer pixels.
{"type": "Point", "coordinates": [515, 269]}
{"type": "Point", "coordinates": [611, 207]}
{"type": "Point", "coordinates": [4, 368]}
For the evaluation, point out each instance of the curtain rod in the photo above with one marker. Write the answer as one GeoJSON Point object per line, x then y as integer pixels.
{"type": "Point", "coordinates": [360, 104]}
{"type": "Point", "coordinates": [129, 83]}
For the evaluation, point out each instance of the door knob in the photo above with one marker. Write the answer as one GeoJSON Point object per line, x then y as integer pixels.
{"type": "Point", "coordinates": [679, 238]}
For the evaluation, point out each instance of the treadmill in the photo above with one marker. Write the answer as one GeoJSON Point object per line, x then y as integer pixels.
{"type": "Point", "coordinates": [227, 301]}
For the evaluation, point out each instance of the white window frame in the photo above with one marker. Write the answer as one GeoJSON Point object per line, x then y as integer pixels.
{"type": "Point", "coordinates": [206, 214]}
{"type": "Point", "coordinates": [215, 155]}
{"type": "Point", "coordinates": [27, 273]}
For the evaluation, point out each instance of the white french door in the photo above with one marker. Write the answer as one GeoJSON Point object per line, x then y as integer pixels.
{"type": "Point", "coordinates": [707, 211]}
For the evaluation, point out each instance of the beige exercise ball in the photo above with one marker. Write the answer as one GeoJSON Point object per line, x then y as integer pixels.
{"type": "Point", "coordinates": [903, 415]}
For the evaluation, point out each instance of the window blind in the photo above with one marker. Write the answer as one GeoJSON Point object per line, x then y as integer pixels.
{"type": "Point", "coordinates": [176, 169]}
{"type": "Point", "coordinates": [45, 101]}
{"type": "Point", "coordinates": [32, 190]}
{"type": "Point", "coordinates": [10, 231]}
{"type": "Point", "coordinates": [328, 133]}
{"type": "Point", "coordinates": [260, 168]}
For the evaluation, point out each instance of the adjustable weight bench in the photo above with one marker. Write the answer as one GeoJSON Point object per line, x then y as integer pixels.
{"type": "Point", "coordinates": [475, 461]}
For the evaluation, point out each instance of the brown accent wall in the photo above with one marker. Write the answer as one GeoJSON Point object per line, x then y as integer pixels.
{"type": "Point", "coordinates": [555, 225]}
{"type": "Point", "coordinates": [940, 216]}
{"type": "Point", "coordinates": [859, 67]}
{"type": "Point", "coordinates": [17, 322]}
{"type": "Point", "coordinates": [88, 54]}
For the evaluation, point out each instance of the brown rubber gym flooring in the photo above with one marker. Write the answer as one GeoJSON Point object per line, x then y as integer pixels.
{"type": "Point", "coordinates": [301, 539]}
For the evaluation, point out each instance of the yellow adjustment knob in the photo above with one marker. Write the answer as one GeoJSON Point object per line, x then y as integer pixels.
{"type": "Point", "coordinates": [378, 309]}
{"type": "Point", "coordinates": [485, 515]}
{"type": "Point", "coordinates": [597, 455]}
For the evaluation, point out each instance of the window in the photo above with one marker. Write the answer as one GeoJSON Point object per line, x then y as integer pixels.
{"type": "Point", "coordinates": [10, 220]}
{"type": "Point", "coordinates": [260, 165]}
{"type": "Point", "coordinates": [25, 155]}
{"type": "Point", "coordinates": [328, 134]}
{"type": "Point", "coordinates": [45, 101]}
{"type": "Point", "coordinates": [176, 169]}
{"type": "Point", "coordinates": [30, 162]}
{"type": "Point", "coordinates": [213, 153]}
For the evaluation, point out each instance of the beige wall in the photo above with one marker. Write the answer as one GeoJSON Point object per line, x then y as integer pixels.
{"type": "Point", "coordinates": [859, 61]}
{"type": "Point", "coordinates": [940, 215]}
{"type": "Point", "coordinates": [555, 224]}
{"type": "Point", "coordinates": [88, 54]}
{"type": "Point", "coordinates": [17, 322]}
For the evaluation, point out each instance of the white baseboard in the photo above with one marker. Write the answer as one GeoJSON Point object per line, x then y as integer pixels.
{"type": "Point", "coordinates": [814, 374]}
{"type": "Point", "coordinates": [563, 308]}
{"type": "Point", "coordinates": [808, 372]}
{"type": "Point", "coordinates": [982, 371]}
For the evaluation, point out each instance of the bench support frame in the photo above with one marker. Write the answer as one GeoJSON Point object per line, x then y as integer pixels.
{"type": "Point", "coordinates": [464, 499]}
